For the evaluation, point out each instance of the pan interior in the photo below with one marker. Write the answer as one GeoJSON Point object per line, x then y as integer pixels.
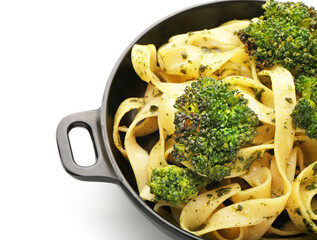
{"type": "Point", "coordinates": [125, 83]}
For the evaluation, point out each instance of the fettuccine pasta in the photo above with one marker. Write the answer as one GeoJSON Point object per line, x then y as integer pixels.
{"type": "Point", "coordinates": [281, 181]}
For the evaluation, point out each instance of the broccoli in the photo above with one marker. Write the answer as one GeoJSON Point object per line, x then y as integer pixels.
{"type": "Point", "coordinates": [305, 112]}
{"type": "Point", "coordinates": [175, 184]}
{"type": "Point", "coordinates": [284, 35]}
{"type": "Point", "coordinates": [212, 122]}
{"type": "Point", "coordinates": [307, 87]}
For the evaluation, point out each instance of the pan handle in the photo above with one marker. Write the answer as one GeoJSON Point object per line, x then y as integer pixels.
{"type": "Point", "coordinates": [102, 170]}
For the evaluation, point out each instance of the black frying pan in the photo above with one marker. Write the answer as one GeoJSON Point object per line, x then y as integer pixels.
{"type": "Point", "coordinates": [123, 82]}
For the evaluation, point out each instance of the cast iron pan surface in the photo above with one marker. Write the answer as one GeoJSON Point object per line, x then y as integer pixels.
{"type": "Point", "coordinates": [123, 83]}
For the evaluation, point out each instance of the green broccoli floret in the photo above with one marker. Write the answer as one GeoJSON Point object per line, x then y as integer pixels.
{"type": "Point", "coordinates": [284, 35]}
{"type": "Point", "coordinates": [212, 122]}
{"type": "Point", "coordinates": [175, 184]}
{"type": "Point", "coordinates": [306, 87]}
{"type": "Point", "coordinates": [305, 111]}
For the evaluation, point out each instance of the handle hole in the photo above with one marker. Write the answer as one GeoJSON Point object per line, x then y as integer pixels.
{"type": "Point", "coordinates": [82, 146]}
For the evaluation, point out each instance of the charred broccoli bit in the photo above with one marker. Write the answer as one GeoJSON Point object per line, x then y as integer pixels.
{"type": "Point", "coordinates": [305, 111]}
{"type": "Point", "coordinates": [212, 122]}
{"type": "Point", "coordinates": [175, 184]}
{"type": "Point", "coordinates": [285, 35]}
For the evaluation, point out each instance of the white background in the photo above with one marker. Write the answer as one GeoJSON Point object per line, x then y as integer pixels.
{"type": "Point", "coordinates": [55, 58]}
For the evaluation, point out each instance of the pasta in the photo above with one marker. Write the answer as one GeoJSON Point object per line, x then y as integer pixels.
{"type": "Point", "coordinates": [283, 179]}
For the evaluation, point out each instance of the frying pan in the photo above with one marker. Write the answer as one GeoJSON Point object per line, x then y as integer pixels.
{"type": "Point", "coordinates": [123, 83]}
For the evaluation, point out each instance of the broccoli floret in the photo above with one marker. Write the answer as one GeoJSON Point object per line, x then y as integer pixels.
{"type": "Point", "coordinates": [212, 122]}
{"type": "Point", "coordinates": [306, 87]}
{"type": "Point", "coordinates": [285, 35]}
{"type": "Point", "coordinates": [305, 111]}
{"type": "Point", "coordinates": [175, 184]}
